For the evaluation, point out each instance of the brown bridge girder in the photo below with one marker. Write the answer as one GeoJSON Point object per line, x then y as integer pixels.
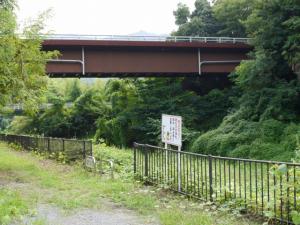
{"type": "Point", "coordinates": [111, 58]}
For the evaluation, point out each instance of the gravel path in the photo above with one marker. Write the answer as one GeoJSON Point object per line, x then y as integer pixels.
{"type": "Point", "coordinates": [107, 212]}
{"type": "Point", "coordinates": [115, 216]}
{"type": "Point", "coordinates": [48, 214]}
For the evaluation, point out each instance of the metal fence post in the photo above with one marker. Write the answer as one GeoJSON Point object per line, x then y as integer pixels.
{"type": "Point", "coordinates": [134, 158]}
{"type": "Point", "coordinates": [36, 143]}
{"type": "Point", "coordinates": [146, 161]}
{"type": "Point", "coordinates": [166, 160]}
{"type": "Point", "coordinates": [63, 145]}
{"type": "Point", "coordinates": [210, 178]}
{"type": "Point", "coordinates": [84, 153]}
{"type": "Point", "coordinates": [179, 168]}
{"type": "Point", "coordinates": [90, 148]}
{"type": "Point", "coordinates": [49, 145]}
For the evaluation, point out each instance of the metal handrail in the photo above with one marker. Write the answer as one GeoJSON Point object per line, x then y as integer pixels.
{"type": "Point", "coordinates": [216, 157]}
{"type": "Point", "coordinates": [255, 185]}
{"type": "Point", "coordinates": [145, 38]}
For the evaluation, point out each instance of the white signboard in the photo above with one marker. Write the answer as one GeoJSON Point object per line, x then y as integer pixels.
{"type": "Point", "coordinates": [171, 130]}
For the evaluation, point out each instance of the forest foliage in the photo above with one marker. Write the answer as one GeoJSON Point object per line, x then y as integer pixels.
{"type": "Point", "coordinates": [265, 122]}
{"type": "Point", "coordinates": [257, 116]}
{"type": "Point", "coordinates": [22, 63]}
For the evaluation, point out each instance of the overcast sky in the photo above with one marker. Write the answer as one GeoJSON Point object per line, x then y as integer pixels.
{"type": "Point", "coordinates": [104, 16]}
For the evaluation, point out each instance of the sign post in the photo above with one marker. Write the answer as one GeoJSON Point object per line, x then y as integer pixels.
{"type": "Point", "coordinates": [171, 134]}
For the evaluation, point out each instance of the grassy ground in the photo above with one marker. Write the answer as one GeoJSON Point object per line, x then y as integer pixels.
{"type": "Point", "coordinates": [27, 179]}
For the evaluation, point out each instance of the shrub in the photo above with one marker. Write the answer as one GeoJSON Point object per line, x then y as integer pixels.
{"type": "Point", "coordinates": [268, 139]}
{"type": "Point", "coordinates": [122, 159]}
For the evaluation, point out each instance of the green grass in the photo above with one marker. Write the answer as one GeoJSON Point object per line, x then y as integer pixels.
{"type": "Point", "coordinates": [11, 206]}
{"type": "Point", "coordinates": [71, 187]}
{"type": "Point", "coordinates": [180, 217]}
{"type": "Point", "coordinates": [172, 217]}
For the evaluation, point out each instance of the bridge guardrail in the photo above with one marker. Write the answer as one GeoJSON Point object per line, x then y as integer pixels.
{"type": "Point", "coordinates": [147, 38]}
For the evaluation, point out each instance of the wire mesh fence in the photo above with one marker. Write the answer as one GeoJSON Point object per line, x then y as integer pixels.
{"type": "Point", "coordinates": [265, 188]}
{"type": "Point", "coordinates": [71, 148]}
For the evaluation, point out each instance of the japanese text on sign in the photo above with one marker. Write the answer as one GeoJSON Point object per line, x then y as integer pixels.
{"type": "Point", "coordinates": [171, 129]}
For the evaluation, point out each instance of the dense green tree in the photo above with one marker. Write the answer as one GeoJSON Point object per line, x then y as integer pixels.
{"type": "Point", "coordinates": [265, 122]}
{"type": "Point", "coordinates": [73, 90]}
{"type": "Point", "coordinates": [54, 92]}
{"type": "Point", "coordinates": [182, 14]}
{"type": "Point", "coordinates": [54, 122]}
{"type": "Point", "coordinates": [231, 15]}
{"type": "Point", "coordinates": [87, 109]}
{"type": "Point", "coordinates": [117, 126]}
{"type": "Point", "coordinates": [279, 38]}
{"type": "Point", "coordinates": [7, 4]}
{"type": "Point", "coordinates": [169, 96]}
{"type": "Point", "coordinates": [200, 23]}
{"type": "Point", "coordinates": [204, 11]}
{"type": "Point", "coordinates": [291, 48]}
{"type": "Point", "coordinates": [136, 107]}
{"type": "Point", "coordinates": [22, 63]}
{"type": "Point", "coordinates": [163, 96]}
{"type": "Point", "coordinates": [223, 18]}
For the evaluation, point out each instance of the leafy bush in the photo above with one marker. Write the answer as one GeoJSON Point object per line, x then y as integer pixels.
{"type": "Point", "coordinates": [20, 124]}
{"type": "Point", "coordinates": [269, 139]}
{"type": "Point", "coordinates": [122, 159]}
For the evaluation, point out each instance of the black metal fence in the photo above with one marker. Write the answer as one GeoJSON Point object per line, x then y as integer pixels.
{"type": "Point", "coordinates": [260, 187]}
{"type": "Point", "coordinates": [71, 148]}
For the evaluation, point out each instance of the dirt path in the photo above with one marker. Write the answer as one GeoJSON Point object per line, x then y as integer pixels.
{"type": "Point", "coordinates": [29, 176]}
{"type": "Point", "coordinates": [48, 214]}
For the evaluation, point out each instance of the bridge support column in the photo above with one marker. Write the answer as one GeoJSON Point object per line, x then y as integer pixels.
{"type": "Point", "coordinates": [199, 61]}
{"type": "Point", "coordinates": [83, 60]}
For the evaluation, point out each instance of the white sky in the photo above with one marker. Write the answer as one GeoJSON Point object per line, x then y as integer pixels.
{"type": "Point", "coordinates": [104, 16]}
